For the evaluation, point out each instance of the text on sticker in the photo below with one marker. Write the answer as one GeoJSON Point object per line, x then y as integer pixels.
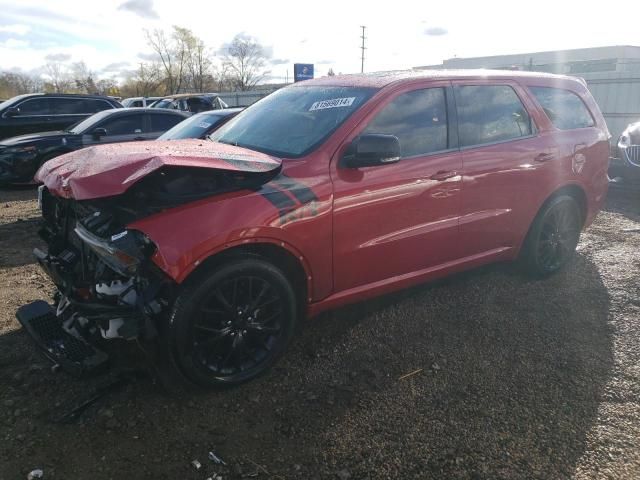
{"type": "Point", "coordinates": [333, 103]}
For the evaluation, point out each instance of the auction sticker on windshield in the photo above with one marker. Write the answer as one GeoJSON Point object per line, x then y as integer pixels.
{"type": "Point", "coordinates": [333, 103]}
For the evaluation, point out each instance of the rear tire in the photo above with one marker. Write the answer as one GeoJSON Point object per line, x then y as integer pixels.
{"type": "Point", "coordinates": [232, 323]}
{"type": "Point", "coordinates": [553, 237]}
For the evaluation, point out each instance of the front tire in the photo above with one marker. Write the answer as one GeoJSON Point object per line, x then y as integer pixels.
{"type": "Point", "coordinates": [553, 237]}
{"type": "Point", "coordinates": [232, 323]}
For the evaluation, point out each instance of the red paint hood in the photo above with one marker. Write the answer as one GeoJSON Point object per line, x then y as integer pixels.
{"type": "Point", "coordinates": [107, 170]}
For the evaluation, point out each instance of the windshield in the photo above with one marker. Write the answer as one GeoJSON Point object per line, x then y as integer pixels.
{"type": "Point", "coordinates": [127, 102]}
{"type": "Point", "coordinates": [89, 122]}
{"type": "Point", "coordinates": [195, 127]}
{"type": "Point", "coordinates": [293, 121]}
{"type": "Point", "coordinates": [166, 103]}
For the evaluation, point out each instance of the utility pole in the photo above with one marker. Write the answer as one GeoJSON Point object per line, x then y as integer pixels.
{"type": "Point", "coordinates": [363, 48]}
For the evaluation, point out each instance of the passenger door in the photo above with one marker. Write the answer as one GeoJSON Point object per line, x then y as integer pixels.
{"type": "Point", "coordinates": [396, 219]}
{"type": "Point", "coordinates": [67, 111]}
{"type": "Point", "coordinates": [33, 115]}
{"type": "Point", "coordinates": [502, 177]}
{"type": "Point", "coordinates": [123, 128]}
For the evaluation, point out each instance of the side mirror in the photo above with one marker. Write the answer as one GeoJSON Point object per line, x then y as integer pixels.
{"type": "Point", "coordinates": [12, 112]}
{"type": "Point", "coordinates": [372, 149]}
{"type": "Point", "coordinates": [99, 132]}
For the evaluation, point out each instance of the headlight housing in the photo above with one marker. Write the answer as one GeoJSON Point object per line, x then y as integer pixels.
{"type": "Point", "coordinates": [123, 252]}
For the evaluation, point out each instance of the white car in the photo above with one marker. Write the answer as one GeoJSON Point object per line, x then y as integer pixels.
{"type": "Point", "coordinates": [139, 101]}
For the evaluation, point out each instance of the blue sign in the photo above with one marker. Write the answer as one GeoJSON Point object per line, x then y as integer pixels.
{"type": "Point", "coordinates": [302, 71]}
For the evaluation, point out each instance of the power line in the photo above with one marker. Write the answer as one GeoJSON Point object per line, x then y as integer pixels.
{"type": "Point", "coordinates": [363, 48]}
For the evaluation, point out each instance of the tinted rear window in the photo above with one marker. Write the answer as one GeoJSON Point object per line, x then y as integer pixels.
{"type": "Point", "coordinates": [162, 123]}
{"type": "Point", "coordinates": [565, 109]}
{"type": "Point", "coordinates": [489, 114]}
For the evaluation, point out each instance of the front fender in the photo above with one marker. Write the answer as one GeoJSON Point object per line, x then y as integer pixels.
{"type": "Point", "coordinates": [186, 236]}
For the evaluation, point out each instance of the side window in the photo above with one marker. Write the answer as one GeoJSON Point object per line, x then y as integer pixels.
{"type": "Point", "coordinates": [490, 113]}
{"type": "Point", "coordinates": [196, 105]}
{"type": "Point", "coordinates": [162, 123]}
{"type": "Point", "coordinates": [124, 125]}
{"type": "Point", "coordinates": [34, 106]}
{"type": "Point", "coordinates": [93, 105]}
{"type": "Point", "coordinates": [418, 119]}
{"type": "Point", "coordinates": [68, 106]}
{"type": "Point", "coordinates": [565, 109]}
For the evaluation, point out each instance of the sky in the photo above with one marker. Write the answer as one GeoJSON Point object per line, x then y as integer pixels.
{"type": "Point", "coordinates": [108, 35]}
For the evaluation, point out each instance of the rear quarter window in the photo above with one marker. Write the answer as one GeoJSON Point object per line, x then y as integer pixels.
{"type": "Point", "coordinates": [565, 109]}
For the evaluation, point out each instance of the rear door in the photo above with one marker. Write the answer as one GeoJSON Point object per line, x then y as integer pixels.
{"type": "Point", "coordinates": [501, 174]}
{"type": "Point", "coordinates": [121, 128]}
{"type": "Point", "coordinates": [68, 111]}
{"type": "Point", "coordinates": [160, 123]}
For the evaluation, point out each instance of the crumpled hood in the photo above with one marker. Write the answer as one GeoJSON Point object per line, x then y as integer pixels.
{"type": "Point", "coordinates": [107, 170]}
{"type": "Point", "coordinates": [32, 137]}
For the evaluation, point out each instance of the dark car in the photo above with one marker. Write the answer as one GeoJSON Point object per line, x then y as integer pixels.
{"type": "Point", "coordinates": [40, 112]}
{"type": "Point", "coordinates": [21, 156]}
{"type": "Point", "coordinates": [200, 125]}
{"type": "Point", "coordinates": [191, 102]}
{"type": "Point", "coordinates": [329, 191]}
{"type": "Point", "coordinates": [626, 164]}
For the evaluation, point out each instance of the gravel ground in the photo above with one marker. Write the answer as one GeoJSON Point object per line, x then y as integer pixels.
{"type": "Point", "coordinates": [515, 379]}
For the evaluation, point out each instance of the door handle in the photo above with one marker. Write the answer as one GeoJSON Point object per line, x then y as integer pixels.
{"type": "Point", "coordinates": [139, 138]}
{"type": "Point", "coordinates": [443, 175]}
{"type": "Point", "coordinates": [544, 157]}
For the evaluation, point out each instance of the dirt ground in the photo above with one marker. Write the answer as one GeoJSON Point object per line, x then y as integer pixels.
{"type": "Point", "coordinates": [518, 379]}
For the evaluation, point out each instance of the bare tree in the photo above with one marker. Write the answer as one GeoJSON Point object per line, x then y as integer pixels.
{"type": "Point", "coordinates": [60, 79]}
{"type": "Point", "coordinates": [174, 53]}
{"type": "Point", "coordinates": [146, 81]}
{"type": "Point", "coordinates": [83, 78]}
{"type": "Point", "coordinates": [245, 59]}
{"type": "Point", "coordinates": [17, 83]}
{"type": "Point", "coordinates": [199, 65]}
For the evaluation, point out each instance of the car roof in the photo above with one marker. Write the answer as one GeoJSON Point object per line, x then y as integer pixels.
{"type": "Point", "coordinates": [70, 95]}
{"type": "Point", "coordinates": [382, 79]}
{"type": "Point", "coordinates": [137, 110]}
{"type": "Point", "coordinates": [152, 111]}
{"type": "Point", "coordinates": [186, 95]}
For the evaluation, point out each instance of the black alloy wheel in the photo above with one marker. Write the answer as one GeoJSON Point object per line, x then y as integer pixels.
{"type": "Point", "coordinates": [553, 237]}
{"type": "Point", "coordinates": [234, 324]}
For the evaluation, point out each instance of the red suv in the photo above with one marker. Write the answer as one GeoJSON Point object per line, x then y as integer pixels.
{"type": "Point", "coordinates": [326, 192]}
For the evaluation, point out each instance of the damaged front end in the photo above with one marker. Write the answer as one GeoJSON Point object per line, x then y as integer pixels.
{"type": "Point", "coordinates": [107, 286]}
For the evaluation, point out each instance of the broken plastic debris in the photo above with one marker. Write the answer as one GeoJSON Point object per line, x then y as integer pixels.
{"type": "Point", "coordinates": [37, 473]}
{"type": "Point", "coordinates": [216, 459]}
{"type": "Point", "coordinates": [196, 464]}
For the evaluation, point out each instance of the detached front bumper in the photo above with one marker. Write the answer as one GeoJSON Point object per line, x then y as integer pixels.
{"type": "Point", "coordinates": [71, 332]}
{"type": "Point", "coordinates": [73, 354]}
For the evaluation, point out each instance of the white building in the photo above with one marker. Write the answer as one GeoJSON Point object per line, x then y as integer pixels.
{"type": "Point", "coordinates": [612, 73]}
